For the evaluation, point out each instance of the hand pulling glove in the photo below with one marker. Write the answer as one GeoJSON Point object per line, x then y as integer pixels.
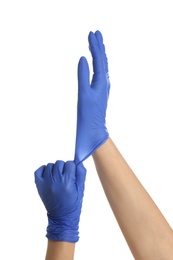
{"type": "Point", "coordinates": [61, 188]}
{"type": "Point", "coordinates": [92, 100]}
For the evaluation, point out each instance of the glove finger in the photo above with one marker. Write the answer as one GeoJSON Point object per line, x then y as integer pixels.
{"type": "Point", "coordinates": [83, 76]}
{"type": "Point", "coordinates": [69, 172]}
{"type": "Point", "coordinates": [47, 174]}
{"type": "Point", "coordinates": [39, 172]}
{"type": "Point", "coordinates": [102, 49]}
{"type": "Point", "coordinates": [98, 64]}
{"type": "Point", "coordinates": [58, 169]}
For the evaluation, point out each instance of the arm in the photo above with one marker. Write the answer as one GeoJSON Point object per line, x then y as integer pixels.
{"type": "Point", "coordinates": [145, 229]}
{"type": "Point", "coordinates": [61, 189]}
{"type": "Point", "coordinates": [60, 250]}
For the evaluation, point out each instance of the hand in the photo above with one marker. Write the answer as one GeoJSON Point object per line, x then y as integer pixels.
{"type": "Point", "coordinates": [92, 100]}
{"type": "Point", "coordinates": [61, 188]}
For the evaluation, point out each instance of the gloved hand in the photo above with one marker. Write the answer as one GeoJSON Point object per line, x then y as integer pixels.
{"type": "Point", "coordinates": [92, 100]}
{"type": "Point", "coordinates": [61, 188]}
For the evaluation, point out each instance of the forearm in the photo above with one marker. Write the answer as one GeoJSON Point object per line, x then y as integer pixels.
{"type": "Point", "coordinates": [146, 231]}
{"type": "Point", "coordinates": [57, 250]}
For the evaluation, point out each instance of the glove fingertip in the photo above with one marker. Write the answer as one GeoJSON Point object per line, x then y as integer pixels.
{"type": "Point", "coordinates": [83, 64]}
{"type": "Point", "coordinates": [83, 73]}
{"type": "Point", "coordinates": [99, 36]}
{"type": "Point", "coordinates": [39, 172]}
{"type": "Point", "coordinates": [90, 35]}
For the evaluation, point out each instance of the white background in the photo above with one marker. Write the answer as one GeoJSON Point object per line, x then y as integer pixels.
{"type": "Point", "coordinates": [40, 45]}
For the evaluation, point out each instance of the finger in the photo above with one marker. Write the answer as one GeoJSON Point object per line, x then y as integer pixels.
{"type": "Point", "coordinates": [98, 64]}
{"type": "Point", "coordinates": [47, 174]}
{"type": "Point", "coordinates": [58, 169]}
{"type": "Point", "coordinates": [99, 38]}
{"type": "Point", "coordinates": [39, 172]}
{"type": "Point", "coordinates": [69, 172]}
{"type": "Point", "coordinates": [83, 75]}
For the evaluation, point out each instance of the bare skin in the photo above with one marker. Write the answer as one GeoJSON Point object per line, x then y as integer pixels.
{"type": "Point", "coordinates": [145, 229]}
{"type": "Point", "coordinates": [57, 250]}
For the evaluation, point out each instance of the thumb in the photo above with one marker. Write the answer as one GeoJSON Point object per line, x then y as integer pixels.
{"type": "Point", "coordinates": [83, 75]}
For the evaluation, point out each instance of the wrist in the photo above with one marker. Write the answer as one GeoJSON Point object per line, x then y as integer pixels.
{"type": "Point", "coordinates": [60, 250]}
{"type": "Point", "coordinates": [63, 230]}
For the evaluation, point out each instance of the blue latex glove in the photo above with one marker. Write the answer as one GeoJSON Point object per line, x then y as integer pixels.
{"type": "Point", "coordinates": [61, 188]}
{"type": "Point", "coordinates": [92, 100]}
